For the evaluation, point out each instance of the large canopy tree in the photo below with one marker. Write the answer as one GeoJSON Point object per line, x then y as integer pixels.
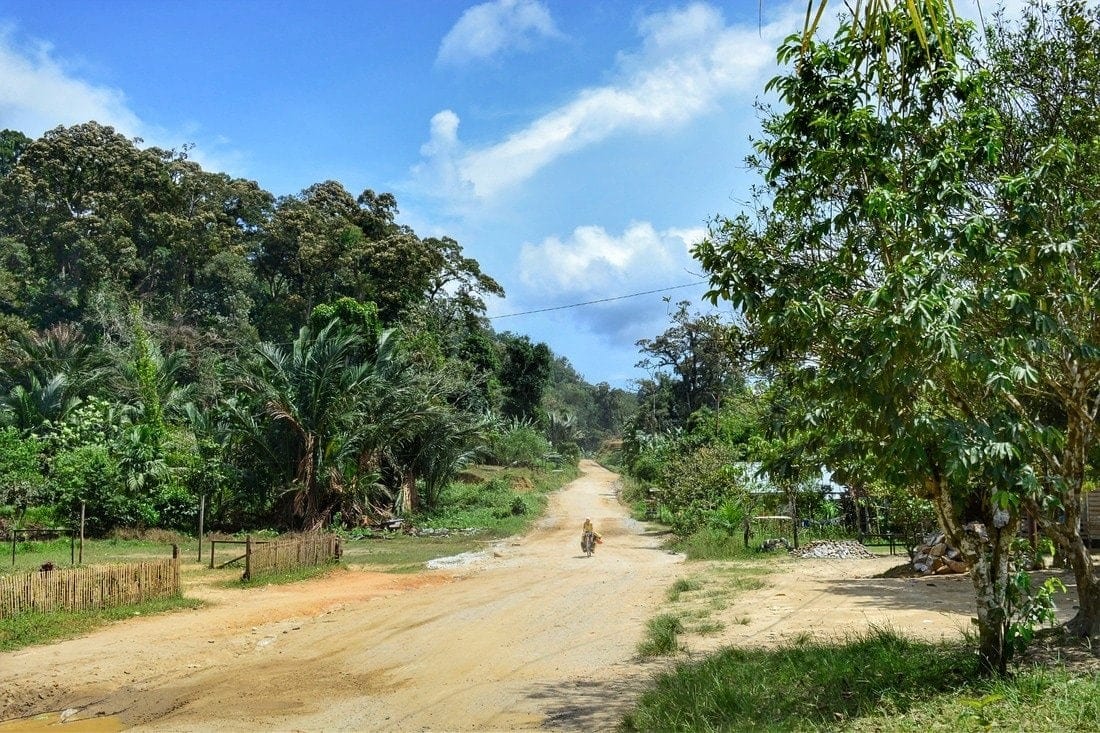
{"type": "Point", "coordinates": [87, 215]}
{"type": "Point", "coordinates": [1044, 223]}
{"type": "Point", "coordinates": [863, 261]}
{"type": "Point", "coordinates": [695, 352]}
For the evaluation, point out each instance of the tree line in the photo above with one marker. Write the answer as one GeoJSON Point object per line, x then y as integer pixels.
{"type": "Point", "coordinates": [171, 332]}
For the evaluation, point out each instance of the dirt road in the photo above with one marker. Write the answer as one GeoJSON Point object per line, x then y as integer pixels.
{"type": "Point", "coordinates": [533, 635]}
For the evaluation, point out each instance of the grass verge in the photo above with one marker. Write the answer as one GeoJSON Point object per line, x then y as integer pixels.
{"type": "Point", "coordinates": [880, 681]}
{"type": "Point", "coordinates": [681, 586]}
{"type": "Point", "coordinates": [662, 636]}
{"type": "Point", "coordinates": [28, 629]}
{"type": "Point", "coordinates": [503, 503]}
{"type": "Point", "coordinates": [712, 544]}
{"type": "Point", "coordinates": [32, 555]}
{"type": "Point", "coordinates": [285, 577]}
{"type": "Point", "coordinates": [397, 553]}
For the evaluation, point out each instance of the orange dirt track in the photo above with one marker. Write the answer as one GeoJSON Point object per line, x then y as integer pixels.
{"type": "Point", "coordinates": [531, 636]}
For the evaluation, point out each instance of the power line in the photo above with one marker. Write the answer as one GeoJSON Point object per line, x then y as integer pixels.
{"type": "Point", "coordinates": [601, 300]}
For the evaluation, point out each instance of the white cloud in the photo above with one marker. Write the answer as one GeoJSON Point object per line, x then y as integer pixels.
{"type": "Point", "coordinates": [440, 159]}
{"type": "Point", "coordinates": [492, 28]}
{"type": "Point", "coordinates": [39, 91]}
{"type": "Point", "coordinates": [592, 264]}
{"type": "Point", "coordinates": [689, 63]}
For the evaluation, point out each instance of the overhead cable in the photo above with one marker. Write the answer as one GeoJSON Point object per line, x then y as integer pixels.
{"type": "Point", "coordinates": [600, 300]}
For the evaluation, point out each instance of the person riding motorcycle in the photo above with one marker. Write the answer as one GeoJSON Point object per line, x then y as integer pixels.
{"type": "Point", "coordinates": [589, 528]}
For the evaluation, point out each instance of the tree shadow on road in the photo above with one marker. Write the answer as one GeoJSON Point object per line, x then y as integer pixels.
{"type": "Point", "coordinates": [591, 704]}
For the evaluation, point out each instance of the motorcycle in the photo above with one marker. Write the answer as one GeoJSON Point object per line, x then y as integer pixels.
{"type": "Point", "coordinates": [588, 543]}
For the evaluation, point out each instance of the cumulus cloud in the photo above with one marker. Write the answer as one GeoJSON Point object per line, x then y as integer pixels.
{"type": "Point", "coordinates": [593, 264]}
{"type": "Point", "coordinates": [492, 28]}
{"type": "Point", "coordinates": [689, 62]}
{"type": "Point", "coordinates": [39, 91]}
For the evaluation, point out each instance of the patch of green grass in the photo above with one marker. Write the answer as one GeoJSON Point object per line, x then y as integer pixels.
{"type": "Point", "coordinates": [285, 577]}
{"type": "Point", "coordinates": [880, 681]}
{"type": "Point", "coordinates": [744, 584]}
{"type": "Point", "coordinates": [29, 629]}
{"type": "Point", "coordinates": [682, 585]}
{"type": "Point", "coordinates": [662, 636]}
{"type": "Point", "coordinates": [505, 504]}
{"type": "Point", "coordinates": [711, 544]}
{"type": "Point", "coordinates": [719, 601]}
{"type": "Point", "coordinates": [398, 553]}
{"type": "Point", "coordinates": [707, 626]}
{"type": "Point", "coordinates": [32, 555]}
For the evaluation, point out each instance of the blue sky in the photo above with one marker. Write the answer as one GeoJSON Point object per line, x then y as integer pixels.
{"type": "Point", "coordinates": [575, 148]}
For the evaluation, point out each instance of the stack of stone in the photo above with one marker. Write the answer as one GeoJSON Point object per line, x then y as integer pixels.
{"type": "Point", "coordinates": [842, 549]}
{"type": "Point", "coordinates": [937, 557]}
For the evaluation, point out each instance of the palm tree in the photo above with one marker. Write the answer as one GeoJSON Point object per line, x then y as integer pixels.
{"type": "Point", "coordinates": [344, 432]}
{"type": "Point", "coordinates": [931, 18]}
{"type": "Point", "coordinates": [306, 405]}
{"type": "Point", "coordinates": [166, 386]}
{"type": "Point", "coordinates": [44, 375]}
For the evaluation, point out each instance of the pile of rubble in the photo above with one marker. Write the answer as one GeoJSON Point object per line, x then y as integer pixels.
{"type": "Point", "coordinates": [937, 557]}
{"type": "Point", "coordinates": [842, 549]}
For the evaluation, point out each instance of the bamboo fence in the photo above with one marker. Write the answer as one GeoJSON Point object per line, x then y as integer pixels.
{"type": "Point", "coordinates": [87, 588]}
{"type": "Point", "coordinates": [290, 552]}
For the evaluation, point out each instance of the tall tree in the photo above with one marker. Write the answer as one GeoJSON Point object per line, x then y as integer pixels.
{"type": "Point", "coordinates": [1046, 73]}
{"type": "Point", "coordinates": [524, 375]}
{"type": "Point", "coordinates": [862, 261]}
{"type": "Point", "coordinates": [695, 351]}
{"type": "Point", "coordinates": [12, 145]}
{"type": "Point", "coordinates": [88, 217]}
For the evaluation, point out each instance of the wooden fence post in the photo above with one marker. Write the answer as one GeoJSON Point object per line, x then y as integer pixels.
{"type": "Point", "coordinates": [176, 566]}
{"type": "Point", "coordinates": [202, 519]}
{"type": "Point", "coordinates": [82, 507]}
{"type": "Point", "coordinates": [248, 557]}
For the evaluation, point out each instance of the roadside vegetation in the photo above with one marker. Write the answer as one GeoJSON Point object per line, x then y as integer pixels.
{"type": "Point", "coordinates": [695, 603]}
{"type": "Point", "coordinates": [29, 629]}
{"type": "Point", "coordinates": [879, 681]}
{"type": "Point", "coordinates": [904, 331]}
{"type": "Point", "coordinates": [174, 340]}
{"type": "Point", "coordinates": [905, 324]}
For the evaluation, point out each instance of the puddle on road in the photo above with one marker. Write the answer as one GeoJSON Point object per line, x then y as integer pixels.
{"type": "Point", "coordinates": [60, 721]}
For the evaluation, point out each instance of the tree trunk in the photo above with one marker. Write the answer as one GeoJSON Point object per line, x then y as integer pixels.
{"type": "Point", "coordinates": [986, 548]}
{"type": "Point", "coordinates": [1080, 434]}
{"type": "Point", "coordinates": [1087, 620]}
{"type": "Point", "coordinates": [988, 555]}
{"type": "Point", "coordinates": [409, 500]}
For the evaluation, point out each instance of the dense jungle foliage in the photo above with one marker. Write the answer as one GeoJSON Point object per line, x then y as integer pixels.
{"type": "Point", "coordinates": [170, 333]}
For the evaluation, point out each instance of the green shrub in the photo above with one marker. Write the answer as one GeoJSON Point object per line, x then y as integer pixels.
{"type": "Point", "coordinates": [21, 482]}
{"type": "Point", "coordinates": [519, 444]}
{"type": "Point", "coordinates": [89, 474]}
{"type": "Point", "coordinates": [662, 636]}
